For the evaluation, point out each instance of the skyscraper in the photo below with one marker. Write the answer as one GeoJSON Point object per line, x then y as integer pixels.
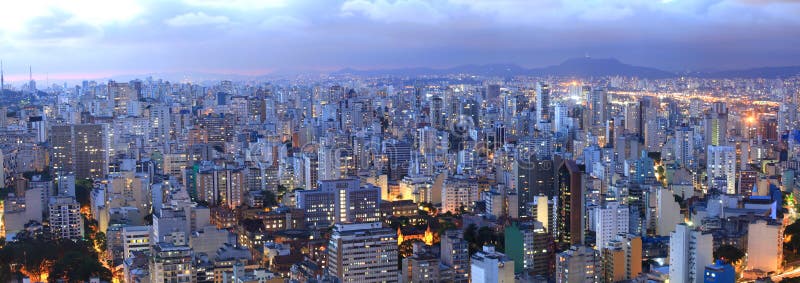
{"type": "Point", "coordinates": [578, 264]}
{"type": "Point", "coordinates": [716, 124]}
{"type": "Point", "coordinates": [721, 163]}
{"type": "Point", "coordinates": [611, 219]}
{"type": "Point", "coordinates": [65, 218]}
{"type": "Point", "coordinates": [569, 215]}
{"type": "Point", "coordinates": [81, 149]}
{"type": "Point", "coordinates": [542, 103]}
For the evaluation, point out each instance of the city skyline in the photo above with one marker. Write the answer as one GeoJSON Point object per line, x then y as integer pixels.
{"type": "Point", "coordinates": [91, 39]}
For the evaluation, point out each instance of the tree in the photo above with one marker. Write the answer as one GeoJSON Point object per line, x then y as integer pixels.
{"type": "Point", "coordinates": [728, 254]}
{"type": "Point", "coordinates": [83, 190]}
{"type": "Point", "coordinates": [75, 266]}
{"type": "Point", "coordinates": [269, 199]}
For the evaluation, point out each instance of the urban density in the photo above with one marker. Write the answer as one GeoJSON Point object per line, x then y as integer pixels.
{"type": "Point", "coordinates": [589, 170]}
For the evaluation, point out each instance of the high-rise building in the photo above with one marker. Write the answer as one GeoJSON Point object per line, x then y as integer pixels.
{"type": "Point", "coordinates": [135, 239]}
{"type": "Point", "coordinates": [81, 149]}
{"type": "Point", "coordinates": [65, 218]}
{"type": "Point", "coordinates": [458, 192]}
{"type": "Point", "coordinates": [716, 124]}
{"type": "Point", "coordinates": [611, 219]}
{"type": "Point", "coordinates": [534, 178]}
{"type": "Point", "coordinates": [455, 254]}
{"type": "Point", "coordinates": [684, 150]}
{"type": "Point", "coordinates": [363, 252]}
{"type": "Point", "coordinates": [690, 251]}
{"type": "Point", "coordinates": [222, 186]}
{"type": "Point", "coordinates": [764, 246]}
{"type": "Point", "coordinates": [622, 258]}
{"type": "Point", "coordinates": [721, 163]}
{"type": "Point", "coordinates": [172, 263]}
{"type": "Point", "coordinates": [569, 207]}
{"type": "Point", "coordinates": [578, 264]}
{"type": "Point", "coordinates": [340, 201]}
{"type": "Point", "coordinates": [423, 266]}
{"type": "Point", "coordinates": [531, 247]}
{"type": "Point", "coordinates": [542, 103]}
{"type": "Point", "coordinates": [489, 265]}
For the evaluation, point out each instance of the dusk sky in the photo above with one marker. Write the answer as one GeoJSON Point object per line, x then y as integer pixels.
{"type": "Point", "coordinates": [78, 39]}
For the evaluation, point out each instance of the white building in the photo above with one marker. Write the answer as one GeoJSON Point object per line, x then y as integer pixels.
{"type": "Point", "coordinates": [135, 239]}
{"type": "Point", "coordinates": [364, 252]}
{"type": "Point", "coordinates": [668, 212]}
{"type": "Point", "coordinates": [722, 166]}
{"type": "Point", "coordinates": [579, 264]}
{"type": "Point", "coordinates": [690, 251]}
{"type": "Point", "coordinates": [65, 218]}
{"type": "Point", "coordinates": [611, 219]}
{"type": "Point", "coordinates": [491, 266]}
{"type": "Point", "coordinates": [764, 246]}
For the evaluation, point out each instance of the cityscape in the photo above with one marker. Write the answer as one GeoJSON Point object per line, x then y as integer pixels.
{"type": "Point", "coordinates": [362, 141]}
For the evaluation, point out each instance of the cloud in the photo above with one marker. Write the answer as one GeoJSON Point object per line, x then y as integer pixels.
{"type": "Point", "coordinates": [238, 4]}
{"type": "Point", "coordinates": [284, 22]}
{"type": "Point", "coordinates": [196, 19]}
{"type": "Point", "coordinates": [398, 11]}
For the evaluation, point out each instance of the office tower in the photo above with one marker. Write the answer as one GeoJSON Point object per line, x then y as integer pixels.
{"type": "Point", "coordinates": [534, 178]}
{"type": "Point", "coordinates": [569, 206]}
{"type": "Point", "coordinates": [611, 219]}
{"type": "Point", "coordinates": [578, 264]}
{"type": "Point", "coordinates": [721, 163]}
{"type": "Point", "coordinates": [492, 91]}
{"type": "Point", "coordinates": [135, 239]}
{"type": "Point", "coordinates": [310, 170]}
{"type": "Point", "coordinates": [364, 252]}
{"type": "Point", "coordinates": [632, 116]}
{"type": "Point", "coordinates": [716, 124]}
{"type": "Point", "coordinates": [171, 263]}
{"type": "Point", "coordinates": [542, 103]}
{"type": "Point", "coordinates": [489, 265]}
{"type": "Point", "coordinates": [399, 156]}
{"type": "Point", "coordinates": [65, 218]}
{"type": "Point", "coordinates": [455, 254]}
{"type": "Point", "coordinates": [787, 117]}
{"type": "Point", "coordinates": [160, 124]}
{"type": "Point", "coordinates": [542, 211]}
{"type": "Point", "coordinates": [221, 186]}
{"type": "Point", "coordinates": [598, 108]}
{"type": "Point", "coordinates": [684, 150]}
{"type": "Point", "coordinates": [531, 248]}
{"type": "Point", "coordinates": [690, 251]}
{"type": "Point", "coordinates": [764, 246]}
{"type": "Point", "coordinates": [622, 258]}
{"type": "Point", "coordinates": [719, 272]}
{"type": "Point", "coordinates": [423, 266]}
{"type": "Point", "coordinates": [81, 149]}
{"type": "Point", "coordinates": [340, 201]}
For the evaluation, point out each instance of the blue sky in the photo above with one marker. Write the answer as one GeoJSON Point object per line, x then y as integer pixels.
{"type": "Point", "coordinates": [96, 38]}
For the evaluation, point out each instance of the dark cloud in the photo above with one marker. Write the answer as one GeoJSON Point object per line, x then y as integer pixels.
{"type": "Point", "coordinates": [208, 35]}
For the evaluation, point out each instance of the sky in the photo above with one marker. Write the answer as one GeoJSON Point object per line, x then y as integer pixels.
{"type": "Point", "coordinates": [77, 39]}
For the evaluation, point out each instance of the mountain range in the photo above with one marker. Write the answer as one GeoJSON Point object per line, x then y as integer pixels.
{"type": "Point", "coordinates": [578, 67]}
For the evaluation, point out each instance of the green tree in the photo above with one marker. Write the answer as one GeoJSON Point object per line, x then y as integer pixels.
{"type": "Point", "coordinates": [728, 254]}
{"type": "Point", "coordinates": [269, 199]}
{"type": "Point", "coordinates": [75, 266]}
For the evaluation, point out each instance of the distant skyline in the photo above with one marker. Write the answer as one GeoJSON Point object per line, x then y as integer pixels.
{"type": "Point", "coordinates": [91, 39]}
